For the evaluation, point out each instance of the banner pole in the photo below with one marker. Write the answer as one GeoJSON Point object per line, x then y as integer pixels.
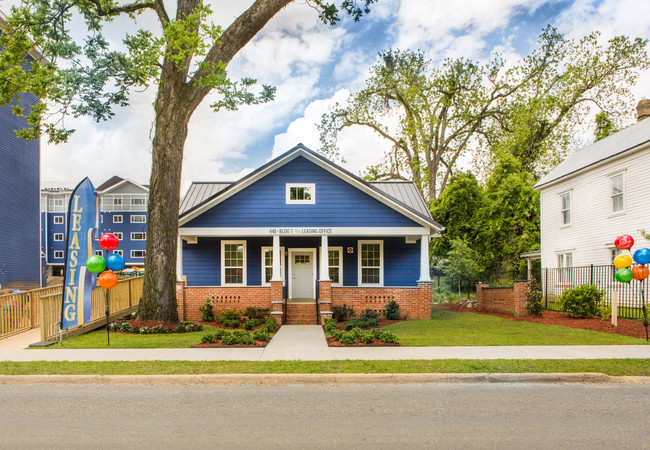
{"type": "Point", "coordinates": [108, 333]}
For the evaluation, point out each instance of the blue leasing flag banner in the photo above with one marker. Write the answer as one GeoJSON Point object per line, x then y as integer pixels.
{"type": "Point", "coordinates": [78, 283]}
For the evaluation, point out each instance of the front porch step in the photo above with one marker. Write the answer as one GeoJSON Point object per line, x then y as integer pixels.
{"type": "Point", "coordinates": [301, 313]}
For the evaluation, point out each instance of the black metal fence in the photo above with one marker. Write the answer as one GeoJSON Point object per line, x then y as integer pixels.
{"type": "Point", "coordinates": [556, 281]}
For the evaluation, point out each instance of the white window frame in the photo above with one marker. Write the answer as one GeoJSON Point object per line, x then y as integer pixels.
{"type": "Point", "coordinates": [144, 253]}
{"type": "Point", "coordinates": [264, 266]}
{"type": "Point", "coordinates": [144, 234]}
{"type": "Point", "coordinates": [57, 219]}
{"type": "Point", "coordinates": [223, 262]}
{"type": "Point", "coordinates": [118, 235]}
{"type": "Point", "coordinates": [121, 219]}
{"type": "Point", "coordinates": [612, 195]}
{"type": "Point", "coordinates": [144, 218]}
{"type": "Point", "coordinates": [99, 252]}
{"type": "Point", "coordinates": [339, 267]}
{"type": "Point", "coordinates": [135, 201]}
{"type": "Point", "coordinates": [58, 254]}
{"type": "Point", "coordinates": [565, 272]}
{"type": "Point", "coordinates": [118, 252]}
{"type": "Point", "coordinates": [310, 186]}
{"type": "Point", "coordinates": [360, 257]}
{"type": "Point", "coordinates": [564, 210]}
{"type": "Point", "coordinates": [59, 236]}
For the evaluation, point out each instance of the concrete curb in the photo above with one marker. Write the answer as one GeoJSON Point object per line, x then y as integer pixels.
{"type": "Point", "coordinates": [324, 379]}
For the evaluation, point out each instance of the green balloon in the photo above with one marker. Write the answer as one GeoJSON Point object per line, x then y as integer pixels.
{"type": "Point", "coordinates": [624, 275]}
{"type": "Point", "coordinates": [97, 264]}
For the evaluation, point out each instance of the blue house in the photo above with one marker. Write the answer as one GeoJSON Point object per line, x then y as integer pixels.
{"type": "Point", "coordinates": [307, 232]}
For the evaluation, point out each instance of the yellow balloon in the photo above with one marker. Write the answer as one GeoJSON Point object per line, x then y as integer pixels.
{"type": "Point", "coordinates": [623, 261]}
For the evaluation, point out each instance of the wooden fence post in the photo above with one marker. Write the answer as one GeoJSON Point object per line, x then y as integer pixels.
{"type": "Point", "coordinates": [615, 308]}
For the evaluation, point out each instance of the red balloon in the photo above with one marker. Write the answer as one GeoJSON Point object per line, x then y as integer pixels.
{"type": "Point", "coordinates": [640, 272]}
{"type": "Point", "coordinates": [624, 242]}
{"type": "Point", "coordinates": [107, 279]}
{"type": "Point", "coordinates": [108, 241]}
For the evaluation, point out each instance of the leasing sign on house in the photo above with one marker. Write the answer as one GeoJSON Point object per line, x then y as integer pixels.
{"type": "Point", "coordinates": [303, 229]}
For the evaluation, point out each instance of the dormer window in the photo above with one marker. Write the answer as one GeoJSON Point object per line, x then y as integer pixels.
{"type": "Point", "coordinates": [301, 193]}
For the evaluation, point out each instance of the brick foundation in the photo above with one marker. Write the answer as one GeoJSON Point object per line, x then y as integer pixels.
{"type": "Point", "coordinates": [190, 298]}
{"type": "Point", "coordinates": [414, 303]}
{"type": "Point", "coordinates": [504, 300]}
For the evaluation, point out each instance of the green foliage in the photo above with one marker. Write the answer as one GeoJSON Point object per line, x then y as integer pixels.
{"type": "Point", "coordinates": [269, 326]}
{"type": "Point", "coordinates": [368, 314]}
{"type": "Point", "coordinates": [256, 313]}
{"type": "Point", "coordinates": [462, 261]}
{"type": "Point", "coordinates": [534, 299]}
{"type": "Point", "coordinates": [604, 126]}
{"type": "Point", "coordinates": [605, 311]}
{"type": "Point", "coordinates": [220, 333]}
{"type": "Point", "coordinates": [230, 323]}
{"type": "Point", "coordinates": [208, 339]}
{"type": "Point", "coordinates": [261, 335]}
{"type": "Point", "coordinates": [252, 323]}
{"type": "Point", "coordinates": [392, 310]}
{"type": "Point", "coordinates": [358, 323]}
{"type": "Point", "coordinates": [581, 301]}
{"type": "Point", "coordinates": [207, 312]}
{"type": "Point", "coordinates": [346, 338]}
{"type": "Point", "coordinates": [229, 314]}
{"type": "Point", "coordinates": [330, 325]}
{"type": "Point", "coordinates": [342, 313]}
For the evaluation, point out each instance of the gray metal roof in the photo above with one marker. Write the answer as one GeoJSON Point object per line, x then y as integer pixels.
{"type": "Point", "coordinates": [613, 145]}
{"type": "Point", "coordinates": [200, 191]}
{"type": "Point", "coordinates": [405, 192]}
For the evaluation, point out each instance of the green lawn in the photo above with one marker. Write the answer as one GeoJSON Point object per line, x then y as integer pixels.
{"type": "Point", "coordinates": [447, 328]}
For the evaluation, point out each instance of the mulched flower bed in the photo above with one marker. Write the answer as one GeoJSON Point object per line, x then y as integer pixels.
{"type": "Point", "coordinates": [376, 343]}
{"type": "Point", "coordinates": [241, 327]}
{"type": "Point", "coordinates": [382, 323]}
{"type": "Point", "coordinates": [625, 327]}
{"type": "Point", "coordinates": [137, 324]}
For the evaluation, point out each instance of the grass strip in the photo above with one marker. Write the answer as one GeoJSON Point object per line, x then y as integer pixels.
{"type": "Point", "coordinates": [614, 367]}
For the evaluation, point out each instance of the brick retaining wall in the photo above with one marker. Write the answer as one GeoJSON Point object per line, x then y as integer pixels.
{"type": "Point", "coordinates": [504, 300]}
{"type": "Point", "coordinates": [414, 303]}
{"type": "Point", "coordinates": [239, 298]}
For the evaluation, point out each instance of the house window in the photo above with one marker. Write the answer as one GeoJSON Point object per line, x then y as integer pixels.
{"type": "Point", "coordinates": [117, 219]}
{"type": "Point", "coordinates": [301, 194]}
{"type": "Point", "coordinates": [565, 267]}
{"type": "Point", "coordinates": [617, 189]}
{"type": "Point", "coordinates": [566, 208]}
{"type": "Point", "coordinates": [118, 235]}
{"type": "Point", "coordinates": [99, 252]}
{"type": "Point", "coordinates": [118, 252]}
{"type": "Point", "coordinates": [117, 203]}
{"type": "Point", "coordinates": [138, 219]}
{"type": "Point", "coordinates": [233, 262]}
{"type": "Point", "coordinates": [58, 219]}
{"type": "Point", "coordinates": [58, 236]}
{"type": "Point", "coordinates": [138, 236]}
{"type": "Point", "coordinates": [58, 254]}
{"type": "Point", "coordinates": [267, 265]}
{"type": "Point", "coordinates": [137, 201]}
{"type": "Point", "coordinates": [334, 265]}
{"type": "Point", "coordinates": [138, 253]}
{"type": "Point", "coordinates": [371, 267]}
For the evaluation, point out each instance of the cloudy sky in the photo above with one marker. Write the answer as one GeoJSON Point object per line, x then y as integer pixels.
{"type": "Point", "coordinates": [313, 66]}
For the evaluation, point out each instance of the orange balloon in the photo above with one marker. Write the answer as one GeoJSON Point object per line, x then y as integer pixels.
{"type": "Point", "coordinates": [107, 280]}
{"type": "Point", "coordinates": [640, 272]}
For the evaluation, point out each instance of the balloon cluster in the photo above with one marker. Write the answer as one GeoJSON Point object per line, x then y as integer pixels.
{"type": "Point", "coordinates": [106, 267]}
{"type": "Point", "coordinates": [623, 261]}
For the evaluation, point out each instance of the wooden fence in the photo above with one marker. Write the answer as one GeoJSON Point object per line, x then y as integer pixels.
{"type": "Point", "coordinates": [124, 299]}
{"type": "Point", "coordinates": [21, 312]}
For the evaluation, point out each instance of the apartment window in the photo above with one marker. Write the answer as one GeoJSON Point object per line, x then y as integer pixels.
{"type": "Point", "coordinates": [138, 236]}
{"type": "Point", "coordinates": [117, 202]}
{"type": "Point", "coordinates": [233, 262]}
{"type": "Point", "coordinates": [58, 219]}
{"type": "Point", "coordinates": [118, 235]}
{"type": "Point", "coordinates": [371, 266]}
{"type": "Point", "coordinates": [58, 236]}
{"type": "Point", "coordinates": [565, 267]}
{"type": "Point", "coordinates": [58, 254]}
{"type": "Point", "coordinates": [138, 253]}
{"type": "Point", "coordinates": [566, 208]}
{"type": "Point", "coordinates": [335, 265]}
{"type": "Point", "coordinates": [138, 219]}
{"type": "Point", "coordinates": [99, 252]}
{"type": "Point", "coordinates": [267, 265]}
{"type": "Point", "coordinates": [118, 252]}
{"type": "Point", "coordinates": [301, 194]}
{"type": "Point", "coordinates": [137, 201]}
{"type": "Point", "coordinates": [617, 189]}
{"type": "Point", "coordinates": [117, 219]}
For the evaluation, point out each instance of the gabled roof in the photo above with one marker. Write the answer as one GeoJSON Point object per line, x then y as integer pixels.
{"type": "Point", "coordinates": [401, 196]}
{"type": "Point", "coordinates": [628, 139]}
{"type": "Point", "coordinates": [114, 182]}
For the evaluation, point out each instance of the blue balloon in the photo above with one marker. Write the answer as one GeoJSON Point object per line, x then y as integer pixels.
{"type": "Point", "coordinates": [115, 262]}
{"type": "Point", "coordinates": [16, 291]}
{"type": "Point", "coordinates": [642, 256]}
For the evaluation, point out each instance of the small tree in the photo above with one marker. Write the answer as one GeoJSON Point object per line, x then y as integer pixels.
{"type": "Point", "coordinates": [461, 262]}
{"type": "Point", "coordinates": [534, 299]}
{"type": "Point", "coordinates": [207, 312]}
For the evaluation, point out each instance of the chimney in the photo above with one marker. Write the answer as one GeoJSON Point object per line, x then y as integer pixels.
{"type": "Point", "coordinates": [643, 110]}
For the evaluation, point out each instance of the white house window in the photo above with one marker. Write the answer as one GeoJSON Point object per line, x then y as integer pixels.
{"type": "Point", "coordinates": [301, 193]}
{"type": "Point", "coordinates": [233, 262]}
{"type": "Point", "coordinates": [267, 265]}
{"type": "Point", "coordinates": [118, 235]}
{"type": "Point", "coordinates": [335, 265]}
{"type": "Point", "coordinates": [99, 252]}
{"type": "Point", "coordinates": [137, 201]}
{"type": "Point", "coordinates": [58, 236]}
{"type": "Point", "coordinates": [371, 263]}
{"type": "Point", "coordinates": [566, 208]}
{"type": "Point", "coordinates": [617, 188]}
{"type": "Point", "coordinates": [58, 254]}
{"type": "Point", "coordinates": [117, 202]}
{"type": "Point", "coordinates": [138, 253]}
{"type": "Point", "coordinates": [118, 252]}
{"type": "Point", "coordinates": [117, 219]}
{"type": "Point", "coordinates": [565, 266]}
{"type": "Point", "coordinates": [58, 219]}
{"type": "Point", "coordinates": [138, 219]}
{"type": "Point", "coordinates": [138, 236]}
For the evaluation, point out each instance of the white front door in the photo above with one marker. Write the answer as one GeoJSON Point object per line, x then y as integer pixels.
{"type": "Point", "coordinates": [302, 274]}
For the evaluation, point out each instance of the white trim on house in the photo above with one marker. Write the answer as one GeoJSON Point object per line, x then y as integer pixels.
{"type": "Point", "coordinates": [304, 231]}
{"type": "Point", "coordinates": [142, 218]}
{"type": "Point", "coordinates": [264, 266]}
{"type": "Point", "coordinates": [57, 219]}
{"type": "Point", "coordinates": [610, 181]}
{"type": "Point", "coordinates": [121, 218]}
{"type": "Point", "coordinates": [381, 262]}
{"type": "Point", "coordinates": [142, 238]}
{"type": "Point", "coordinates": [58, 237]}
{"type": "Point", "coordinates": [124, 181]}
{"type": "Point", "coordinates": [562, 195]}
{"type": "Point", "coordinates": [340, 266]}
{"type": "Point", "coordinates": [309, 187]}
{"type": "Point", "coordinates": [313, 268]}
{"type": "Point", "coordinates": [223, 261]}
{"type": "Point", "coordinates": [58, 254]}
{"type": "Point", "coordinates": [143, 252]}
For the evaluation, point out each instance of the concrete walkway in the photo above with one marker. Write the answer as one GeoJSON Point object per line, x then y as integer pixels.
{"type": "Point", "coordinates": [307, 343]}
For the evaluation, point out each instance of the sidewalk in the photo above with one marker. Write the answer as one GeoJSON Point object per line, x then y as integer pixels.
{"type": "Point", "coordinates": [307, 343]}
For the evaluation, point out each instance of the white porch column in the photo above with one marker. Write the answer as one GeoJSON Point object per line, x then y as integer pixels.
{"type": "Point", "coordinates": [179, 259]}
{"type": "Point", "coordinates": [277, 274]}
{"type": "Point", "coordinates": [324, 260]}
{"type": "Point", "coordinates": [424, 259]}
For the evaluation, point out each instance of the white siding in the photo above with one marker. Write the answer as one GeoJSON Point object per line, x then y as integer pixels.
{"type": "Point", "coordinates": [593, 228]}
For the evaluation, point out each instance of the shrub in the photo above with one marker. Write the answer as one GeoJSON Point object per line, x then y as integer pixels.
{"type": "Point", "coordinates": [252, 323]}
{"type": "Point", "coordinates": [229, 314]}
{"type": "Point", "coordinates": [269, 326]}
{"type": "Point", "coordinates": [342, 313]}
{"type": "Point", "coordinates": [372, 323]}
{"type": "Point", "coordinates": [330, 325]}
{"type": "Point", "coordinates": [160, 329]}
{"type": "Point", "coordinates": [208, 339]}
{"type": "Point", "coordinates": [220, 333]}
{"type": "Point", "coordinates": [581, 301]}
{"type": "Point", "coordinates": [207, 313]}
{"type": "Point", "coordinates": [243, 337]}
{"type": "Point", "coordinates": [337, 334]}
{"type": "Point", "coordinates": [369, 314]}
{"type": "Point", "coordinates": [229, 340]}
{"type": "Point", "coordinates": [356, 333]}
{"type": "Point", "coordinates": [354, 323]}
{"type": "Point", "coordinates": [367, 338]}
{"type": "Point", "coordinates": [534, 299]}
{"type": "Point", "coordinates": [256, 313]}
{"type": "Point", "coordinates": [392, 310]}
{"type": "Point", "coordinates": [230, 323]}
{"type": "Point", "coordinates": [389, 338]}
{"type": "Point", "coordinates": [261, 335]}
{"type": "Point", "coordinates": [145, 330]}
{"type": "Point", "coordinates": [347, 338]}
{"type": "Point", "coordinates": [605, 311]}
